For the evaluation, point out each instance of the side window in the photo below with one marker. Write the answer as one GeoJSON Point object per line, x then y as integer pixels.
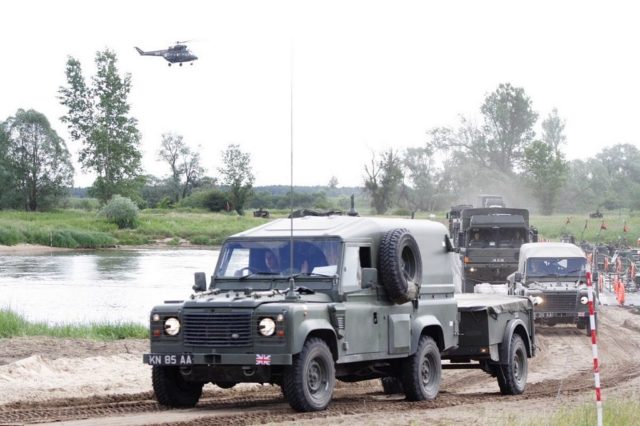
{"type": "Point", "coordinates": [351, 269]}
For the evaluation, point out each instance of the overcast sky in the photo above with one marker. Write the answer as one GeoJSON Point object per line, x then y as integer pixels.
{"type": "Point", "coordinates": [366, 75]}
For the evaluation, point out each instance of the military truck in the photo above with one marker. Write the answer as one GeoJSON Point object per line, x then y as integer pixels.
{"type": "Point", "coordinates": [489, 241]}
{"type": "Point", "coordinates": [555, 274]}
{"type": "Point", "coordinates": [302, 302]}
{"type": "Point", "coordinates": [489, 201]}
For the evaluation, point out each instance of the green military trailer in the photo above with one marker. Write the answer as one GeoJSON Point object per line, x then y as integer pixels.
{"type": "Point", "coordinates": [304, 302]}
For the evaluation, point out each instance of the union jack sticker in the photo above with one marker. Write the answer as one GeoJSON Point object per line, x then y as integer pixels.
{"type": "Point", "coordinates": [262, 359]}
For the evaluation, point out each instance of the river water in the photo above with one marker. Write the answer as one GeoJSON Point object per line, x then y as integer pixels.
{"type": "Point", "coordinates": [99, 286]}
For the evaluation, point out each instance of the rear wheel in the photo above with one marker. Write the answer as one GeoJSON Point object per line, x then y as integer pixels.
{"type": "Point", "coordinates": [172, 390]}
{"type": "Point", "coordinates": [422, 372]}
{"type": "Point", "coordinates": [512, 376]}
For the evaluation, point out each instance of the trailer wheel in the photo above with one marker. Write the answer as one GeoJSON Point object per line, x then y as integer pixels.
{"type": "Point", "coordinates": [422, 372]}
{"type": "Point", "coordinates": [512, 376]}
{"type": "Point", "coordinates": [391, 385]}
{"type": "Point", "coordinates": [172, 390]}
{"type": "Point", "coordinates": [308, 383]}
{"type": "Point", "coordinates": [400, 265]}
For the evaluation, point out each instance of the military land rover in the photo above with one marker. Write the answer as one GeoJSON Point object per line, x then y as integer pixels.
{"type": "Point", "coordinates": [555, 274]}
{"type": "Point", "coordinates": [302, 302]}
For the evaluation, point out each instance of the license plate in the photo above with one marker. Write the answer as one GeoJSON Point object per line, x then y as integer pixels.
{"type": "Point", "coordinates": [170, 359]}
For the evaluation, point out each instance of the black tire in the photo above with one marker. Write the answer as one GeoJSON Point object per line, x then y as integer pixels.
{"type": "Point", "coordinates": [391, 385]}
{"type": "Point", "coordinates": [400, 265]}
{"type": "Point", "coordinates": [225, 385]}
{"type": "Point", "coordinates": [172, 390]}
{"type": "Point", "coordinates": [512, 376]}
{"type": "Point", "coordinates": [308, 383]}
{"type": "Point", "coordinates": [422, 372]}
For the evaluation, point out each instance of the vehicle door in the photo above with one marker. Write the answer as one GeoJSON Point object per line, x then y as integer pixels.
{"type": "Point", "coordinates": [365, 327]}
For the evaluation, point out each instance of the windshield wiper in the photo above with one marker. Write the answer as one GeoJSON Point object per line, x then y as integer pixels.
{"type": "Point", "coordinates": [302, 290]}
{"type": "Point", "coordinates": [253, 274]}
{"type": "Point", "coordinates": [312, 274]}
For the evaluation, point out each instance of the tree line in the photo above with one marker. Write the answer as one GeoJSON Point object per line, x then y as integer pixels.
{"type": "Point", "coordinates": [35, 164]}
{"type": "Point", "coordinates": [502, 154]}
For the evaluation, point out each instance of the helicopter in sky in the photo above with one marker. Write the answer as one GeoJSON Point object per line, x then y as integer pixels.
{"type": "Point", "coordinates": [178, 53]}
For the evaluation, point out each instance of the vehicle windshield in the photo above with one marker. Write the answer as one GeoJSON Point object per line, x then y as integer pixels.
{"type": "Point", "coordinates": [311, 257]}
{"type": "Point", "coordinates": [556, 267]}
{"type": "Point", "coordinates": [496, 237]}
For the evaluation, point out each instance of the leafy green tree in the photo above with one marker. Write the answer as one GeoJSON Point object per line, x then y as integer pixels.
{"type": "Point", "coordinates": [509, 120]}
{"type": "Point", "coordinates": [6, 175]}
{"type": "Point", "coordinates": [545, 172]}
{"type": "Point", "coordinates": [421, 176]}
{"type": "Point", "coordinates": [183, 162]}
{"type": "Point", "coordinates": [38, 160]}
{"type": "Point", "coordinates": [237, 175]}
{"type": "Point", "coordinates": [382, 180]}
{"type": "Point", "coordinates": [622, 162]}
{"type": "Point", "coordinates": [553, 131]}
{"type": "Point", "coordinates": [98, 116]}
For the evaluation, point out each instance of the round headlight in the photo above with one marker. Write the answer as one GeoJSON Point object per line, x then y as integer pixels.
{"type": "Point", "coordinates": [584, 300]}
{"type": "Point", "coordinates": [172, 326]}
{"type": "Point", "coordinates": [537, 300]}
{"type": "Point", "coordinates": [267, 326]}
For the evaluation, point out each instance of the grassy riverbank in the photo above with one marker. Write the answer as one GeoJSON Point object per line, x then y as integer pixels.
{"type": "Point", "coordinates": [81, 229]}
{"type": "Point", "coordinates": [15, 325]}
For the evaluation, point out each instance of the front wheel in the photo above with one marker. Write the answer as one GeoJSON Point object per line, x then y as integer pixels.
{"type": "Point", "coordinates": [422, 372]}
{"type": "Point", "coordinates": [172, 390]}
{"type": "Point", "coordinates": [308, 383]}
{"type": "Point", "coordinates": [512, 376]}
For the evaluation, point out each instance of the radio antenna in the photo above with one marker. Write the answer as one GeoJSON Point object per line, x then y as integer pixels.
{"type": "Point", "coordinates": [292, 292]}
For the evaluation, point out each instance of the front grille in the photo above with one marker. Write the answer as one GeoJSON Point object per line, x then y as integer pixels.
{"type": "Point", "coordinates": [217, 328]}
{"type": "Point", "coordinates": [559, 302]}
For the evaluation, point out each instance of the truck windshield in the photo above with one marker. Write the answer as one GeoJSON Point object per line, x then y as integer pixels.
{"type": "Point", "coordinates": [312, 257]}
{"type": "Point", "coordinates": [556, 267]}
{"type": "Point", "coordinates": [496, 237]}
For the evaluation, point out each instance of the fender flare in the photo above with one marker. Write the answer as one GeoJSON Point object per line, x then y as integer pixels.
{"type": "Point", "coordinates": [510, 328]}
{"type": "Point", "coordinates": [419, 324]}
{"type": "Point", "coordinates": [313, 326]}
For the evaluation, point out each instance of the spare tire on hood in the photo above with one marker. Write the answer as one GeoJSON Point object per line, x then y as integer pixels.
{"type": "Point", "coordinates": [400, 265]}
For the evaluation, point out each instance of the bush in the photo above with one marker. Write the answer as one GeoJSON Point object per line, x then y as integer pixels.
{"type": "Point", "coordinates": [217, 201]}
{"type": "Point", "coordinates": [121, 211]}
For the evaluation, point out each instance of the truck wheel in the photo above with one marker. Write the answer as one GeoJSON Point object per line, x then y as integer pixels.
{"type": "Point", "coordinates": [512, 376]}
{"type": "Point", "coordinates": [400, 265]}
{"type": "Point", "coordinates": [172, 390]}
{"type": "Point", "coordinates": [391, 385]}
{"type": "Point", "coordinates": [225, 385]}
{"type": "Point", "coordinates": [422, 372]}
{"type": "Point", "coordinates": [308, 383]}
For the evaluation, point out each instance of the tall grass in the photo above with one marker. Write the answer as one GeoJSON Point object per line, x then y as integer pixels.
{"type": "Point", "coordinates": [15, 325]}
{"type": "Point", "coordinates": [619, 412]}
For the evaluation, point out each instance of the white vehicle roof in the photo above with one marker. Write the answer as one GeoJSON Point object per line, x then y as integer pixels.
{"type": "Point", "coordinates": [548, 250]}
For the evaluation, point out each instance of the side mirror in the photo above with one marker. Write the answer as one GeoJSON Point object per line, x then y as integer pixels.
{"type": "Point", "coordinates": [200, 282]}
{"type": "Point", "coordinates": [518, 277]}
{"type": "Point", "coordinates": [369, 277]}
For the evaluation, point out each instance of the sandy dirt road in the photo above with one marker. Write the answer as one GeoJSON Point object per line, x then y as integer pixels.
{"type": "Point", "coordinates": [70, 382]}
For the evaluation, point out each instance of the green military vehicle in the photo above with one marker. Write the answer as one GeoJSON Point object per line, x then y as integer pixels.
{"type": "Point", "coordinates": [554, 274]}
{"type": "Point", "coordinates": [489, 241]}
{"type": "Point", "coordinates": [302, 302]}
